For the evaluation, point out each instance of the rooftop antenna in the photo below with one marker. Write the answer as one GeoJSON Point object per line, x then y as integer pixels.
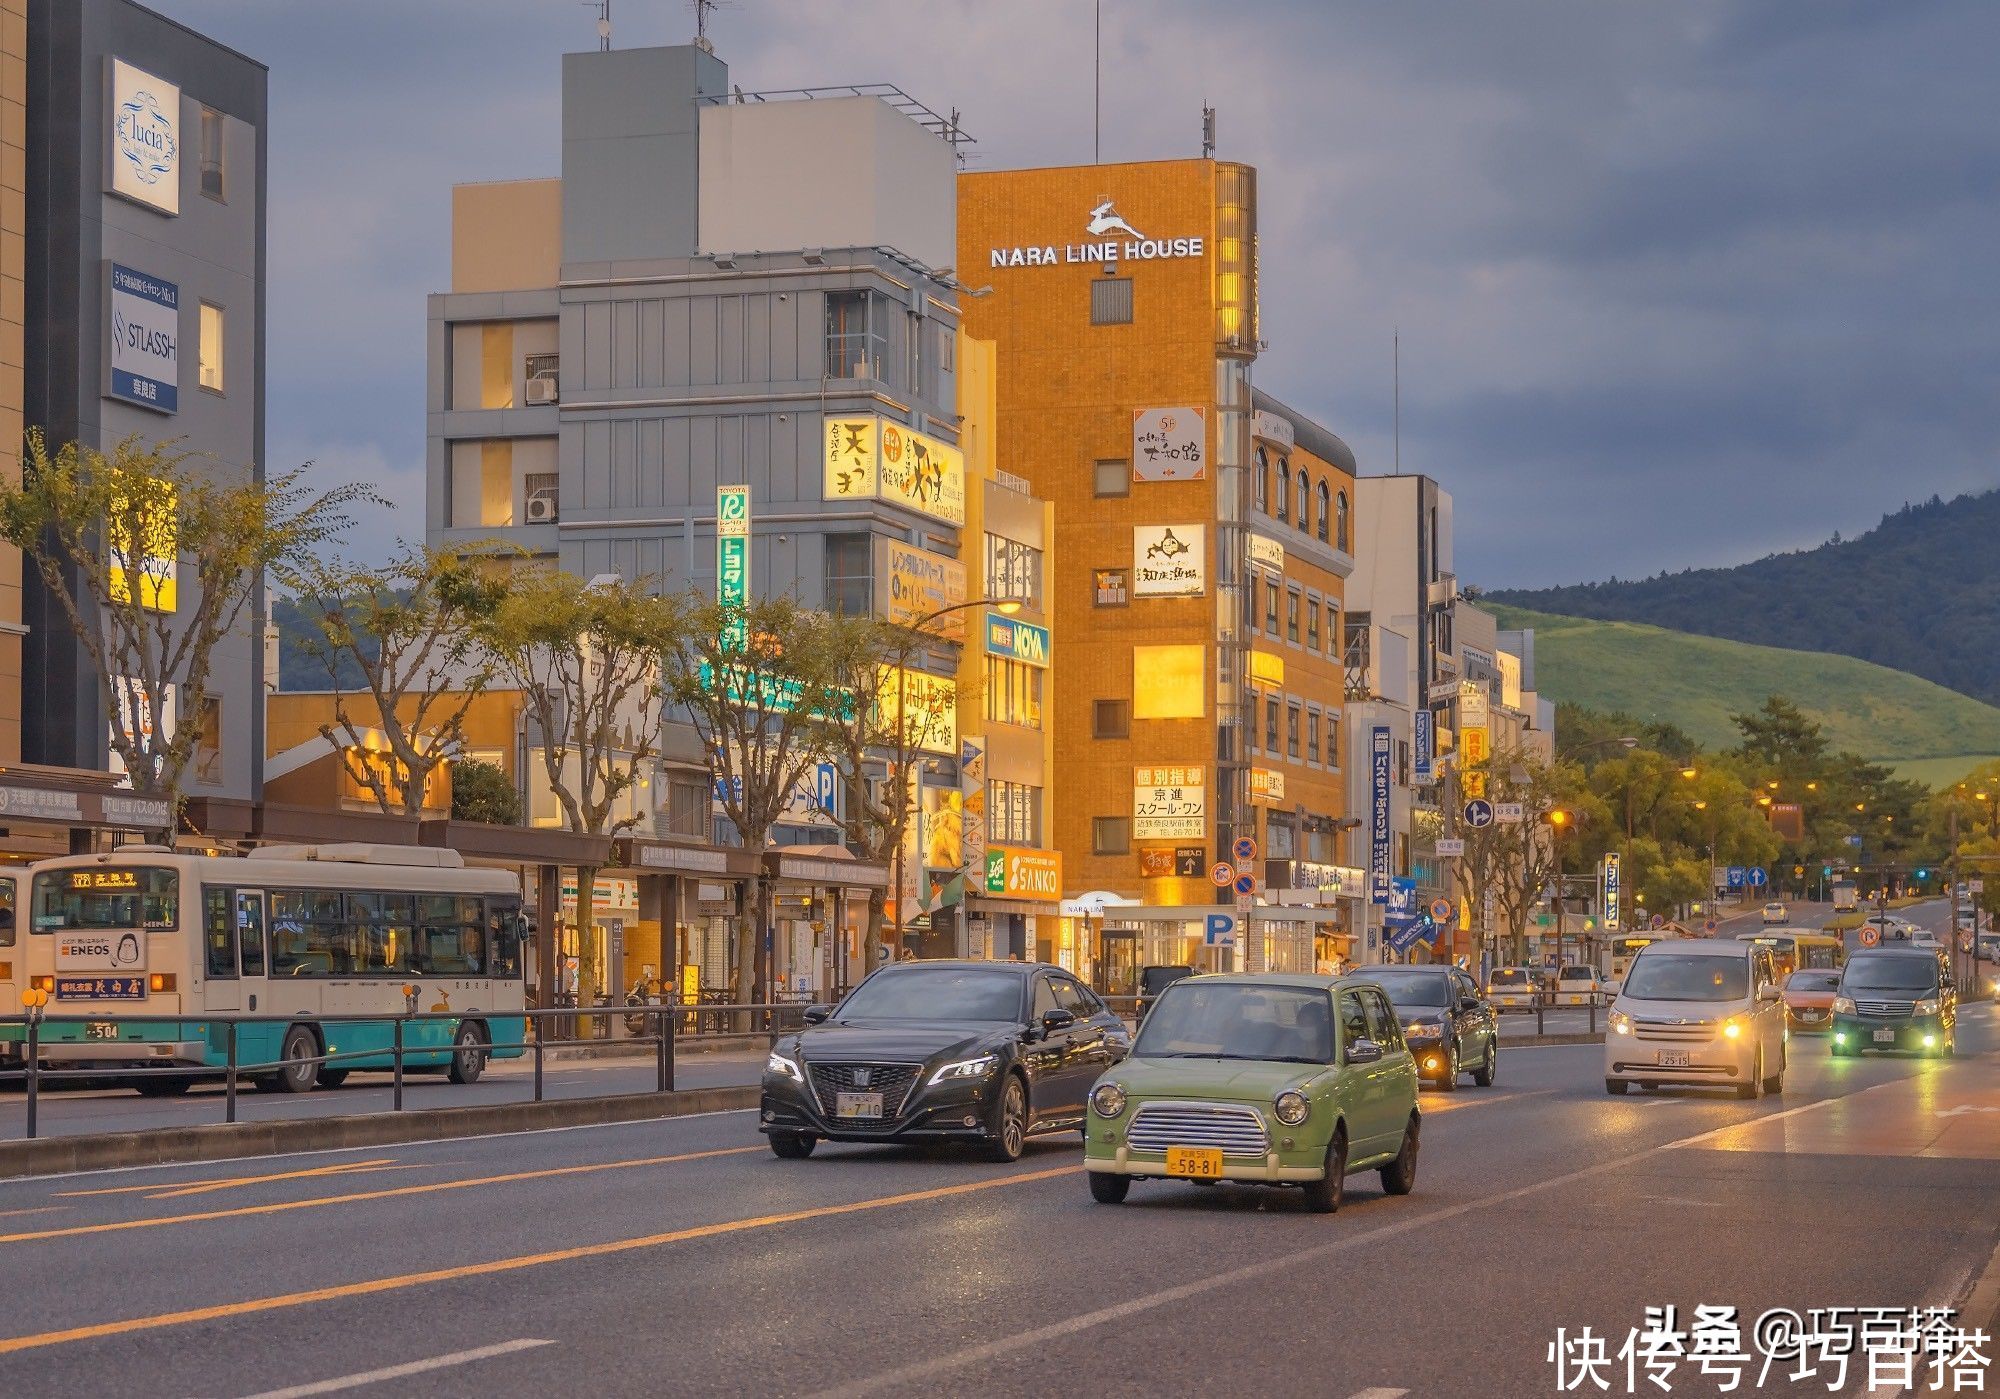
{"type": "Point", "coordinates": [1207, 131]}
{"type": "Point", "coordinates": [1396, 352]}
{"type": "Point", "coordinates": [1097, 91]}
{"type": "Point", "coordinates": [701, 9]}
{"type": "Point", "coordinates": [603, 8]}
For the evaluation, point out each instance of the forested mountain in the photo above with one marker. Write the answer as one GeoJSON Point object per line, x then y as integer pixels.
{"type": "Point", "coordinates": [1920, 592]}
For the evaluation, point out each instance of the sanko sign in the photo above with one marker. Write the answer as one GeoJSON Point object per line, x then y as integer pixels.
{"type": "Point", "coordinates": [1130, 246]}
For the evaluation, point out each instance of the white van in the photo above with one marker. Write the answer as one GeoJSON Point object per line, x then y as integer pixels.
{"type": "Point", "coordinates": [1698, 1011]}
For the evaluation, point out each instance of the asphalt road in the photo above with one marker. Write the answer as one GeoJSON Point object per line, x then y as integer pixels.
{"type": "Point", "coordinates": [680, 1257]}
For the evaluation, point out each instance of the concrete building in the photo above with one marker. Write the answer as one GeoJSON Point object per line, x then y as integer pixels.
{"type": "Point", "coordinates": [145, 207]}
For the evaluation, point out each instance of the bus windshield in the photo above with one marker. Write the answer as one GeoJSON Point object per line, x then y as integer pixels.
{"type": "Point", "coordinates": [124, 897]}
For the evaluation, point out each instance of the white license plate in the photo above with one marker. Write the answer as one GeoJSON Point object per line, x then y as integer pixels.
{"type": "Point", "coordinates": [101, 1030]}
{"type": "Point", "coordinates": [1885, 1037]}
{"type": "Point", "coordinates": [857, 1105]}
{"type": "Point", "coordinates": [1673, 1059]}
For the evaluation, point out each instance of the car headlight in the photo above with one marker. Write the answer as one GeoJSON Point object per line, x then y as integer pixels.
{"type": "Point", "coordinates": [784, 1067]}
{"type": "Point", "coordinates": [979, 1067]}
{"type": "Point", "coordinates": [1621, 1023]}
{"type": "Point", "coordinates": [1423, 1029]}
{"type": "Point", "coordinates": [1107, 1099]}
{"type": "Point", "coordinates": [1732, 1029]}
{"type": "Point", "coordinates": [1291, 1107]}
{"type": "Point", "coordinates": [1927, 1006]}
{"type": "Point", "coordinates": [1843, 1005]}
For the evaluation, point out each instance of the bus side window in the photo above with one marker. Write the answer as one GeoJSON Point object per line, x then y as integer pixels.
{"type": "Point", "coordinates": [218, 922]}
{"type": "Point", "coordinates": [7, 895]}
{"type": "Point", "coordinates": [503, 926]}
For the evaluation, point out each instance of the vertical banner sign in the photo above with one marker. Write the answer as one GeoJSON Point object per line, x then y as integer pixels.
{"type": "Point", "coordinates": [1609, 900]}
{"type": "Point", "coordinates": [1426, 743]}
{"type": "Point", "coordinates": [972, 798]}
{"type": "Point", "coordinates": [732, 555]}
{"type": "Point", "coordinates": [1380, 754]}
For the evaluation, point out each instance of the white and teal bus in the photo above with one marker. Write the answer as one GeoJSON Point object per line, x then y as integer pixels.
{"type": "Point", "coordinates": [305, 931]}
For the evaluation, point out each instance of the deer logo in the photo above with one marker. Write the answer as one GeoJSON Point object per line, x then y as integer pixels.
{"type": "Point", "coordinates": [1104, 219]}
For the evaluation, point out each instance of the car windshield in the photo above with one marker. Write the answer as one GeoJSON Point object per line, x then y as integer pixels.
{"type": "Point", "coordinates": [1576, 974]}
{"type": "Point", "coordinates": [935, 993]}
{"type": "Point", "coordinates": [1813, 981]}
{"type": "Point", "coordinates": [1684, 976]}
{"type": "Point", "coordinates": [1890, 974]}
{"type": "Point", "coordinates": [1159, 978]}
{"type": "Point", "coordinates": [1224, 1020]}
{"type": "Point", "coordinates": [1416, 988]}
{"type": "Point", "coordinates": [1509, 976]}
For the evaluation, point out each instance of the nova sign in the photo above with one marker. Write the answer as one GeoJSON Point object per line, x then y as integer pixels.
{"type": "Point", "coordinates": [1125, 243]}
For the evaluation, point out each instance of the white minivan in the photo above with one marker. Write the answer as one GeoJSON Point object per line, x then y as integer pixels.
{"type": "Point", "coordinates": [1698, 1011]}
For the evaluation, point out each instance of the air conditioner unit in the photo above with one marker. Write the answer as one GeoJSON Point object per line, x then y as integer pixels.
{"type": "Point", "coordinates": [542, 389]}
{"type": "Point", "coordinates": [542, 510]}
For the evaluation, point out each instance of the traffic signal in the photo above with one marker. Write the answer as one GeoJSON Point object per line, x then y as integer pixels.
{"type": "Point", "coordinates": [1826, 871]}
{"type": "Point", "coordinates": [1923, 874]}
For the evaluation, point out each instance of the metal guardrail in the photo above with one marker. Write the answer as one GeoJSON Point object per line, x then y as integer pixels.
{"type": "Point", "coordinates": [765, 1019]}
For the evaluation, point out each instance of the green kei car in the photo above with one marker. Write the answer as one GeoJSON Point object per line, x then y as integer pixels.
{"type": "Point", "coordinates": [1261, 1078]}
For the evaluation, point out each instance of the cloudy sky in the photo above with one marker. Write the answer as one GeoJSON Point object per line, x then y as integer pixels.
{"type": "Point", "coordinates": [1678, 283]}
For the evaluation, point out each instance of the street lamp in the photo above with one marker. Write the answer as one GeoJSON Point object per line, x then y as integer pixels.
{"type": "Point", "coordinates": [1559, 821]}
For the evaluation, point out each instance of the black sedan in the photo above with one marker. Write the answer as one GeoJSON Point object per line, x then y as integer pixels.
{"type": "Point", "coordinates": [984, 1052]}
{"type": "Point", "coordinates": [1449, 1026]}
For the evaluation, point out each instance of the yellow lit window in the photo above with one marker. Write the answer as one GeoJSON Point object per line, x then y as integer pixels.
{"type": "Point", "coordinates": [1169, 682]}
{"type": "Point", "coordinates": [211, 347]}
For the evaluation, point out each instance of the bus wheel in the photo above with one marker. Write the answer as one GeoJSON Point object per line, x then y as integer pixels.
{"type": "Point", "coordinates": [164, 1087]}
{"type": "Point", "coordinates": [468, 1059]}
{"type": "Point", "coordinates": [333, 1078]}
{"type": "Point", "coordinates": [299, 1043]}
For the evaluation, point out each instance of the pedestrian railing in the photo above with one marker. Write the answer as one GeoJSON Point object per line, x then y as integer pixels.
{"type": "Point", "coordinates": [544, 1030]}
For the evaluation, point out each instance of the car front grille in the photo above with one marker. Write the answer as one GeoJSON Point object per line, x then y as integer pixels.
{"type": "Point", "coordinates": [1238, 1130]}
{"type": "Point", "coordinates": [1673, 1034]}
{"type": "Point", "coordinates": [892, 1081]}
{"type": "Point", "coordinates": [1885, 1009]}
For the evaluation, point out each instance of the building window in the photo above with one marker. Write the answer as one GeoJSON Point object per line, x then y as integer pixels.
{"type": "Point", "coordinates": [208, 747]}
{"type": "Point", "coordinates": [1323, 503]}
{"type": "Point", "coordinates": [1332, 627]}
{"type": "Point", "coordinates": [1292, 713]}
{"type": "Point", "coordinates": [1333, 740]}
{"type": "Point", "coordinates": [1110, 835]}
{"type": "Point", "coordinates": [1113, 478]}
{"type": "Point", "coordinates": [1278, 841]}
{"type": "Point", "coordinates": [1402, 762]}
{"type": "Point", "coordinates": [1013, 813]}
{"type": "Point", "coordinates": [850, 576]}
{"type": "Point", "coordinates": [1312, 735]}
{"type": "Point", "coordinates": [1111, 301]}
{"type": "Point", "coordinates": [1111, 719]}
{"type": "Point", "coordinates": [1284, 490]}
{"type": "Point", "coordinates": [1312, 624]}
{"type": "Point", "coordinates": [1271, 608]}
{"type": "Point", "coordinates": [1305, 502]}
{"type": "Point", "coordinates": [1260, 481]}
{"type": "Point", "coordinates": [1270, 725]}
{"type": "Point", "coordinates": [857, 335]}
{"type": "Point", "coordinates": [211, 347]}
{"type": "Point", "coordinates": [1444, 633]}
{"type": "Point", "coordinates": [1292, 601]}
{"type": "Point", "coordinates": [689, 801]}
{"type": "Point", "coordinates": [1340, 540]}
{"type": "Point", "coordinates": [211, 154]}
{"type": "Point", "coordinates": [1111, 587]}
{"type": "Point", "coordinates": [1014, 570]}
{"type": "Point", "coordinates": [1013, 693]}
{"type": "Point", "coordinates": [947, 354]}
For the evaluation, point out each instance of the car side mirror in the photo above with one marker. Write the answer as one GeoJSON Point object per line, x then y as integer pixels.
{"type": "Point", "coordinates": [817, 1015]}
{"type": "Point", "coordinates": [1767, 993]}
{"type": "Point", "coordinates": [1468, 1003]}
{"type": "Point", "coordinates": [1054, 1020]}
{"type": "Point", "coordinates": [1364, 1052]}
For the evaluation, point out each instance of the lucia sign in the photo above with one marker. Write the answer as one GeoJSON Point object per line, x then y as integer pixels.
{"type": "Point", "coordinates": [1109, 240]}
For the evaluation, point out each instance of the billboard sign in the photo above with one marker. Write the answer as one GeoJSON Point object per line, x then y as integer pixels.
{"type": "Point", "coordinates": [1169, 802]}
{"type": "Point", "coordinates": [1169, 444]}
{"type": "Point", "coordinates": [144, 331]}
{"type": "Point", "coordinates": [145, 138]}
{"type": "Point", "coordinates": [1381, 756]}
{"type": "Point", "coordinates": [1169, 560]}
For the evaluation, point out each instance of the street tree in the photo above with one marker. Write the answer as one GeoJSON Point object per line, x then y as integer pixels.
{"type": "Point", "coordinates": [483, 792]}
{"type": "Point", "coordinates": [585, 658]}
{"type": "Point", "coordinates": [760, 683]}
{"type": "Point", "coordinates": [154, 555]}
{"type": "Point", "coordinates": [410, 629]}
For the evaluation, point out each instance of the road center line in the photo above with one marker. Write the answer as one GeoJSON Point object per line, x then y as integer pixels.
{"type": "Point", "coordinates": [161, 1190]}
{"type": "Point", "coordinates": [1378, 1394]}
{"type": "Point", "coordinates": [421, 1367]}
{"type": "Point", "coordinates": [395, 1192]}
{"type": "Point", "coordinates": [97, 1331]}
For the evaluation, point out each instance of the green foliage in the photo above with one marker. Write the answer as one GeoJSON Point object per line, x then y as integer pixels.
{"type": "Point", "coordinates": [481, 792]}
{"type": "Point", "coordinates": [1699, 683]}
{"type": "Point", "coordinates": [1914, 594]}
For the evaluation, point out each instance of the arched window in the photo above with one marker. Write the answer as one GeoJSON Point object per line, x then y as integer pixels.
{"type": "Point", "coordinates": [1305, 502]}
{"type": "Point", "coordinates": [1340, 539]}
{"type": "Point", "coordinates": [1284, 490]}
{"type": "Point", "coordinates": [1323, 526]}
{"type": "Point", "coordinates": [1261, 482]}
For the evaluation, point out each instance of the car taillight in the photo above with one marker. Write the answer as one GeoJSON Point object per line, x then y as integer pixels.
{"type": "Point", "coordinates": [43, 983]}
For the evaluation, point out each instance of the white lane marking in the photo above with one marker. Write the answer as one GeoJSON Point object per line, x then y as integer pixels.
{"type": "Point", "coordinates": [1378, 1394]}
{"type": "Point", "coordinates": [923, 1370]}
{"type": "Point", "coordinates": [398, 1372]}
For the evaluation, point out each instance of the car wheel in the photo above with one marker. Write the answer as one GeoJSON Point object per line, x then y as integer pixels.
{"type": "Point", "coordinates": [1109, 1189]}
{"type": "Point", "coordinates": [1323, 1196]}
{"type": "Point", "coordinates": [1617, 1087]}
{"type": "Point", "coordinates": [1010, 1128]}
{"type": "Point", "coordinates": [1448, 1080]}
{"type": "Point", "coordinates": [468, 1054]}
{"type": "Point", "coordinates": [1399, 1177]}
{"type": "Point", "coordinates": [299, 1043]}
{"type": "Point", "coordinates": [1775, 1084]}
{"type": "Point", "coordinates": [1489, 1068]}
{"type": "Point", "coordinates": [793, 1146]}
{"type": "Point", "coordinates": [1756, 1083]}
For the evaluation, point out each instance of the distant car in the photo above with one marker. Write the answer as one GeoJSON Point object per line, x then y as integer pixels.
{"type": "Point", "coordinates": [1449, 1028]}
{"type": "Point", "coordinates": [1988, 966]}
{"type": "Point", "coordinates": [1154, 980]}
{"type": "Point", "coordinates": [1264, 1079]}
{"type": "Point", "coordinates": [1775, 912]}
{"type": "Point", "coordinates": [1512, 988]}
{"type": "Point", "coordinates": [1895, 998]}
{"type": "Point", "coordinates": [1809, 1000]}
{"type": "Point", "coordinates": [1578, 986]}
{"type": "Point", "coordinates": [987, 1053]}
{"type": "Point", "coordinates": [1924, 937]}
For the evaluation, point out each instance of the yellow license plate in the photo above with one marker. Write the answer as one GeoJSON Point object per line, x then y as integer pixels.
{"type": "Point", "coordinates": [1195, 1162]}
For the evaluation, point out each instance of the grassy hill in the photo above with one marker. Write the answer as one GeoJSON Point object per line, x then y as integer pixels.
{"type": "Point", "coordinates": [1699, 681]}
